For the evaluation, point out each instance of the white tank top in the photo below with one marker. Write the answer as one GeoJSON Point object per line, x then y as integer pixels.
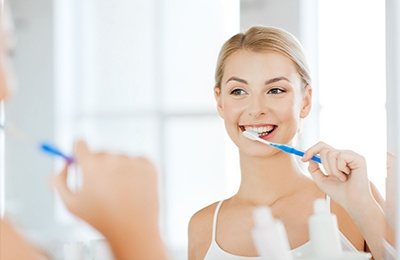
{"type": "Point", "coordinates": [215, 252]}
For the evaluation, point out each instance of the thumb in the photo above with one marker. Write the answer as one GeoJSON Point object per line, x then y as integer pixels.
{"type": "Point", "coordinates": [316, 172]}
{"type": "Point", "coordinates": [60, 183]}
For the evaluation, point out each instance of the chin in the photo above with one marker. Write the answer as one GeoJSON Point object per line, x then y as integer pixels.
{"type": "Point", "coordinates": [262, 153]}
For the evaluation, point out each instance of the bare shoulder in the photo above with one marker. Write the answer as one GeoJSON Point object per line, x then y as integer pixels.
{"type": "Point", "coordinates": [347, 226]}
{"type": "Point", "coordinates": [200, 231]}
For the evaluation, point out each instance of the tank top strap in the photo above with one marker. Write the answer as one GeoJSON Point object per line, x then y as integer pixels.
{"type": "Point", "coordinates": [215, 218]}
{"type": "Point", "coordinates": [346, 244]}
{"type": "Point", "coordinates": [328, 202]}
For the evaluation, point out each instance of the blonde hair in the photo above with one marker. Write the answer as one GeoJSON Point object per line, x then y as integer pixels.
{"type": "Point", "coordinates": [259, 39]}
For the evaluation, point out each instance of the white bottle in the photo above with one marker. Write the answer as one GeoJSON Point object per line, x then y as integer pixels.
{"type": "Point", "coordinates": [325, 237]}
{"type": "Point", "coordinates": [100, 250]}
{"type": "Point", "coordinates": [73, 251]}
{"type": "Point", "coordinates": [269, 236]}
{"type": "Point", "coordinates": [324, 232]}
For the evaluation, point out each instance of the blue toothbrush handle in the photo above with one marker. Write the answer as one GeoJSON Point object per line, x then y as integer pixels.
{"type": "Point", "coordinates": [292, 150]}
{"type": "Point", "coordinates": [52, 150]}
{"type": "Point", "coordinates": [315, 158]}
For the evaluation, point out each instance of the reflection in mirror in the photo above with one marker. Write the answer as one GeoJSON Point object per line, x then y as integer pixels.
{"type": "Point", "coordinates": [393, 123]}
{"type": "Point", "coordinates": [129, 76]}
{"type": "Point", "coordinates": [137, 77]}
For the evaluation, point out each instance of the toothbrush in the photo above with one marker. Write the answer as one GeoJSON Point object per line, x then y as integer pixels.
{"type": "Point", "coordinates": [44, 147]}
{"type": "Point", "coordinates": [52, 150]}
{"type": "Point", "coordinates": [283, 147]}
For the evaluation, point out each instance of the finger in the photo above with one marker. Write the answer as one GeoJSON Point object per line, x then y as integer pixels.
{"type": "Point", "coordinates": [314, 150]}
{"type": "Point", "coordinates": [328, 163]}
{"type": "Point", "coordinates": [329, 160]}
{"type": "Point", "coordinates": [390, 160]}
{"type": "Point", "coordinates": [81, 150]}
{"type": "Point", "coordinates": [342, 165]}
{"type": "Point", "coordinates": [352, 161]}
{"type": "Point", "coordinates": [316, 172]}
{"type": "Point", "coordinates": [325, 160]}
{"type": "Point", "coordinates": [333, 165]}
{"type": "Point", "coordinates": [60, 183]}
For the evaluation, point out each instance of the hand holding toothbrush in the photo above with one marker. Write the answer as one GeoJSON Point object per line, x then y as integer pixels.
{"type": "Point", "coordinates": [118, 197]}
{"type": "Point", "coordinates": [343, 175]}
{"type": "Point", "coordinates": [345, 180]}
{"type": "Point", "coordinates": [44, 147]}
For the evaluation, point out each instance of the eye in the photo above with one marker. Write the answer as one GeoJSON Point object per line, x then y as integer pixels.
{"type": "Point", "coordinates": [276, 91]}
{"type": "Point", "coordinates": [238, 92]}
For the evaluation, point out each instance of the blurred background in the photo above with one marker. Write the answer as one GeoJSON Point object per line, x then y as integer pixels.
{"type": "Point", "coordinates": [137, 77]}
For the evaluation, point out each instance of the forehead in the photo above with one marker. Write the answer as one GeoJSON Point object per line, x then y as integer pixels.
{"type": "Point", "coordinates": [266, 64]}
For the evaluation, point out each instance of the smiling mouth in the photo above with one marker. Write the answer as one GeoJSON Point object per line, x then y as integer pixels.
{"type": "Point", "coordinates": [262, 131]}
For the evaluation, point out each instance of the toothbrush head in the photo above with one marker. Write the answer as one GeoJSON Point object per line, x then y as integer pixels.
{"type": "Point", "coordinates": [254, 136]}
{"type": "Point", "coordinates": [251, 135]}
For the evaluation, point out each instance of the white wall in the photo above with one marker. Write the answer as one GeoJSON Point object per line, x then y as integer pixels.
{"type": "Point", "coordinates": [27, 193]}
{"type": "Point", "coordinates": [284, 14]}
{"type": "Point", "coordinates": [393, 110]}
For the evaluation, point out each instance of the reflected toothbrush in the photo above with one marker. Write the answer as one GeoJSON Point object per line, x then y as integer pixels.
{"type": "Point", "coordinates": [44, 147]}
{"type": "Point", "coordinates": [283, 147]}
{"type": "Point", "coordinates": [52, 150]}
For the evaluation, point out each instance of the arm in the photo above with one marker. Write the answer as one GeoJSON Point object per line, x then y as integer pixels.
{"type": "Point", "coordinates": [14, 246]}
{"type": "Point", "coordinates": [191, 241]}
{"type": "Point", "coordinates": [345, 180]}
{"type": "Point", "coordinates": [200, 232]}
{"type": "Point", "coordinates": [119, 198]}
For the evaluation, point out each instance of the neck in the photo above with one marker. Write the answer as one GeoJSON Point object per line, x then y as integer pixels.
{"type": "Point", "coordinates": [266, 180]}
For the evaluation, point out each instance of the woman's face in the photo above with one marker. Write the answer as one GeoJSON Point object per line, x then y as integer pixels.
{"type": "Point", "coordinates": [261, 91]}
{"type": "Point", "coordinates": [4, 90]}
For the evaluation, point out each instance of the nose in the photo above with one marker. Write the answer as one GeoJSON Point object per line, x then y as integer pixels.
{"type": "Point", "coordinates": [257, 106]}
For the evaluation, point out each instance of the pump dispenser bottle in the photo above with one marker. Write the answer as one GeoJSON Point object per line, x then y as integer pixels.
{"type": "Point", "coordinates": [325, 236]}
{"type": "Point", "coordinates": [269, 236]}
{"type": "Point", "coordinates": [324, 232]}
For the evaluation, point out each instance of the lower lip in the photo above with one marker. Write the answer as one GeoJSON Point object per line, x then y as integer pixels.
{"type": "Point", "coordinates": [268, 136]}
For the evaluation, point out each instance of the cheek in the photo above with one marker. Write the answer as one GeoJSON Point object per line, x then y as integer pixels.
{"type": "Point", "coordinates": [290, 122]}
{"type": "Point", "coordinates": [3, 85]}
{"type": "Point", "coordinates": [288, 113]}
{"type": "Point", "coordinates": [232, 110]}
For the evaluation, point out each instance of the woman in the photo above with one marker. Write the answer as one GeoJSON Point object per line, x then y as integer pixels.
{"type": "Point", "coordinates": [263, 84]}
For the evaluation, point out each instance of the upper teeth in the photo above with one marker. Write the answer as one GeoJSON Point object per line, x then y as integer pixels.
{"type": "Point", "coordinates": [260, 130]}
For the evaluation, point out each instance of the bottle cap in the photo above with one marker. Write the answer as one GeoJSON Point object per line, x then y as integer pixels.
{"type": "Point", "coordinates": [320, 206]}
{"type": "Point", "coordinates": [262, 216]}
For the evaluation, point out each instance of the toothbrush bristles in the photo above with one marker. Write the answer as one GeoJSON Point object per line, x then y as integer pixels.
{"type": "Point", "coordinates": [251, 135]}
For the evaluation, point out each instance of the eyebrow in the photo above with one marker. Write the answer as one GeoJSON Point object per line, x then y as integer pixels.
{"type": "Point", "coordinates": [273, 80]}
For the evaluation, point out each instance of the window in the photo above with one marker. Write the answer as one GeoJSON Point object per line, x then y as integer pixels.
{"type": "Point", "coordinates": [138, 77]}
{"type": "Point", "coordinates": [352, 85]}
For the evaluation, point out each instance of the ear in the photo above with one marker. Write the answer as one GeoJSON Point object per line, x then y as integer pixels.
{"type": "Point", "coordinates": [217, 96]}
{"type": "Point", "coordinates": [307, 102]}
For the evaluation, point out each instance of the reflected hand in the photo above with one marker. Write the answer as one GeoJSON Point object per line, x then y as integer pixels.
{"type": "Point", "coordinates": [115, 189]}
